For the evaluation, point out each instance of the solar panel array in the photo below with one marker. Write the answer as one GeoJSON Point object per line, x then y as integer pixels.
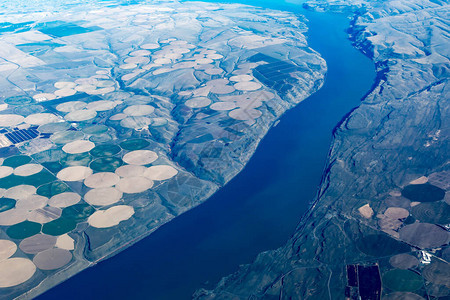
{"type": "Point", "coordinates": [22, 135]}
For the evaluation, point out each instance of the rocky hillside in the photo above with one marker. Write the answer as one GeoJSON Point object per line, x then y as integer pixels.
{"type": "Point", "coordinates": [379, 226]}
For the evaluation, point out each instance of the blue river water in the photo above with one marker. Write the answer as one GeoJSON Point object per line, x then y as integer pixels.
{"type": "Point", "coordinates": [256, 211]}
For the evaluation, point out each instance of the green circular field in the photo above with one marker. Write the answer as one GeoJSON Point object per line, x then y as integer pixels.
{"type": "Point", "coordinates": [7, 204]}
{"type": "Point", "coordinates": [432, 212]}
{"type": "Point", "coordinates": [80, 159]}
{"type": "Point", "coordinates": [106, 164]}
{"type": "Point", "coordinates": [423, 192]}
{"type": "Point", "coordinates": [105, 150]}
{"type": "Point", "coordinates": [59, 226]}
{"type": "Point", "coordinates": [100, 138]}
{"type": "Point", "coordinates": [54, 127]}
{"type": "Point", "coordinates": [28, 110]}
{"type": "Point", "coordinates": [39, 179]}
{"type": "Point", "coordinates": [49, 155]}
{"type": "Point", "coordinates": [78, 212]}
{"type": "Point", "coordinates": [18, 100]}
{"type": "Point", "coordinates": [135, 144]}
{"type": "Point", "coordinates": [51, 189]}
{"type": "Point", "coordinates": [10, 181]}
{"type": "Point", "coordinates": [381, 245]}
{"type": "Point", "coordinates": [95, 129]}
{"type": "Point", "coordinates": [53, 166]}
{"type": "Point", "coordinates": [16, 161]}
{"type": "Point", "coordinates": [23, 230]}
{"type": "Point", "coordinates": [402, 280]}
{"type": "Point", "coordinates": [65, 137]}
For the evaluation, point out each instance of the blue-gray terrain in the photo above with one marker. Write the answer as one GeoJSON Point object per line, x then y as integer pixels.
{"type": "Point", "coordinates": [379, 227]}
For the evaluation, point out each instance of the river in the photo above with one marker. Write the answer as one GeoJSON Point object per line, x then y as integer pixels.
{"type": "Point", "coordinates": [259, 209]}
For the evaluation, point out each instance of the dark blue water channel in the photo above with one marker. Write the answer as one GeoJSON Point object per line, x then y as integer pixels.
{"type": "Point", "coordinates": [256, 211]}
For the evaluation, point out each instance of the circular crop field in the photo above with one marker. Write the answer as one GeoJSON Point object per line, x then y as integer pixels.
{"type": "Point", "coordinates": [135, 144]}
{"type": "Point", "coordinates": [18, 100]}
{"type": "Point", "coordinates": [53, 188]}
{"type": "Point", "coordinates": [6, 204]}
{"type": "Point", "coordinates": [105, 150]}
{"type": "Point", "coordinates": [106, 164]}
{"type": "Point", "coordinates": [381, 245]}
{"type": "Point", "coordinates": [59, 226]}
{"type": "Point", "coordinates": [78, 212]}
{"type": "Point", "coordinates": [432, 212]}
{"type": "Point", "coordinates": [23, 230]}
{"type": "Point", "coordinates": [16, 161]}
{"type": "Point", "coordinates": [423, 192]}
{"type": "Point", "coordinates": [402, 280]}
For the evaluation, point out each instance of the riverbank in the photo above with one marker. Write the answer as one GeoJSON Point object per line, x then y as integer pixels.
{"type": "Point", "coordinates": [257, 210]}
{"type": "Point", "coordinates": [395, 141]}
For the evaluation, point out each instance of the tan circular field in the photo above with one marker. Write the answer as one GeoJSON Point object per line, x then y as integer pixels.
{"type": "Point", "coordinates": [202, 61]}
{"type": "Point", "coordinates": [64, 199]}
{"type": "Point", "coordinates": [65, 242]}
{"type": "Point", "coordinates": [130, 170]}
{"type": "Point", "coordinates": [110, 217]}
{"type": "Point", "coordinates": [7, 249]}
{"type": "Point", "coordinates": [247, 86]}
{"type": "Point", "coordinates": [118, 117]}
{"type": "Point", "coordinates": [396, 213]}
{"type": "Point", "coordinates": [101, 91]}
{"type": "Point", "coordinates": [81, 115]}
{"type": "Point", "coordinates": [132, 185]}
{"type": "Point", "coordinates": [140, 53]}
{"type": "Point", "coordinates": [64, 85]}
{"type": "Point", "coordinates": [20, 191]}
{"type": "Point", "coordinates": [161, 172]}
{"type": "Point", "coordinates": [10, 120]}
{"type": "Point", "coordinates": [105, 83]}
{"type": "Point", "coordinates": [217, 82]}
{"type": "Point", "coordinates": [79, 146]}
{"type": "Point", "coordinates": [83, 81]}
{"type": "Point", "coordinates": [150, 46]}
{"type": "Point", "coordinates": [5, 171]}
{"type": "Point", "coordinates": [13, 216]}
{"type": "Point", "coordinates": [52, 259]}
{"type": "Point", "coordinates": [245, 114]}
{"type": "Point", "coordinates": [75, 173]}
{"type": "Point", "coordinates": [163, 61]}
{"type": "Point", "coordinates": [101, 105]}
{"type": "Point", "coordinates": [103, 196]}
{"type": "Point", "coordinates": [198, 102]}
{"type": "Point", "coordinates": [101, 180]}
{"type": "Point", "coordinates": [41, 119]}
{"type": "Point", "coordinates": [241, 78]}
{"type": "Point", "coordinates": [140, 157]}
{"type": "Point", "coordinates": [45, 214]}
{"type": "Point", "coordinates": [128, 66]}
{"type": "Point", "coordinates": [220, 106]}
{"type": "Point", "coordinates": [14, 271]}
{"type": "Point", "coordinates": [44, 97]}
{"type": "Point", "coordinates": [137, 60]}
{"type": "Point", "coordinates": [135, 122]}
{"type": "Point", "coordinates": [139, 110]}
{"type": "Point", "coordinates": [71, 106]}
{"type": "Point", "coordinates": [222, 89]}
{"type": "Point", "coordinates": [37, 243]}
{"type": "Point", "coordinates": [214, 71]}
{"type": "Point", "coordinates": [32, 202]}
{"type": "Point", "coordinates": [86, 88]}
{"type": "Point", "coordinates": [214, 56]}
{"type": "Point", "coordinates": [65, 92]}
